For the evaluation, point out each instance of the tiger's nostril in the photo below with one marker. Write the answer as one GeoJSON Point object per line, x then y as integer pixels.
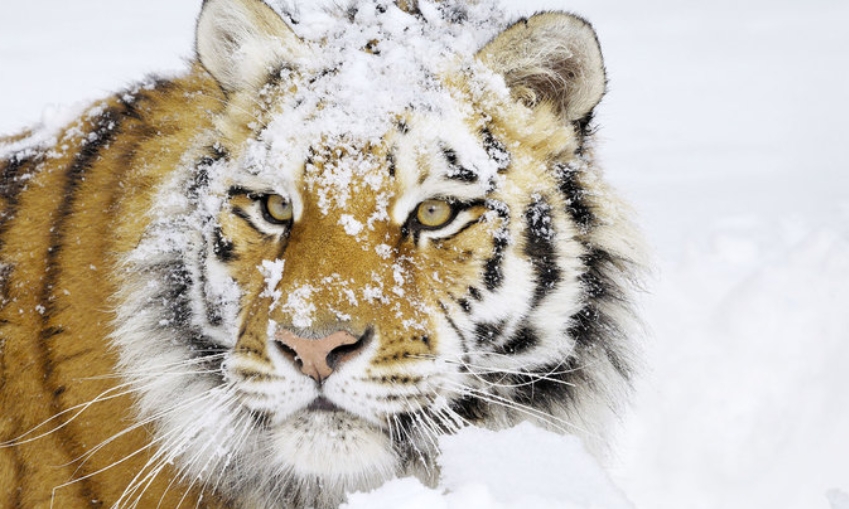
{"type": "Point", "coordinates": [317, 358]}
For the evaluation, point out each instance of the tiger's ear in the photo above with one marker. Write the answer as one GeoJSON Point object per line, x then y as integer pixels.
{"type": "Point", "coordinates": [241, 41]}
{"type": "Point", "coordinates": [550, 58]}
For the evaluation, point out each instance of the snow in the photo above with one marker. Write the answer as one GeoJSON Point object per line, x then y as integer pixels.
{"type": "Point", "coordinates": [272, 272]}
{"type": "Point", "coordinates": [838, 499]}
{"type": "Point", "coordinates": [725, 126]}
{"type": "Point", "coordinates": [516, 468]}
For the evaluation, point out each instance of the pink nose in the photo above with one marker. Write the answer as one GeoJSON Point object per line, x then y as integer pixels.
{"type": "Point", "coordinates": [318, 358]}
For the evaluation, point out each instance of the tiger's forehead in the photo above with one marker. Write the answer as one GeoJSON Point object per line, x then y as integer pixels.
{"type": "Point", "coordinates": [374, 108]}
{"type": "Point", "coordinates": [365, 68]}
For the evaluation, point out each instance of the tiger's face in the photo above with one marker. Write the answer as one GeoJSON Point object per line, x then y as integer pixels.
{"type": "Point", "coordinates": [383, 240]}
{"type": "Point", "coordinates": [375, 277]}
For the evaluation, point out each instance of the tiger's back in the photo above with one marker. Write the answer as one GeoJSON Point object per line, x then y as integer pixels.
{"type": "Point", "coordinates": [280, 277]}
{"type": "Point", "coordinates": [69, 210]}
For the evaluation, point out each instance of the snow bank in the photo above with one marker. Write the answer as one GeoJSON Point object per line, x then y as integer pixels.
{"type": "Point", "coordinates": [520, 468]}
{"type": "Point", "coordinates": [838, 499]}
{"type": "Point", "coordinates": [747, 398]}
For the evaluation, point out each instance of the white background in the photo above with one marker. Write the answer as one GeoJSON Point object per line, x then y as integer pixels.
{"type": "Point", "coordinates": [726, 126]}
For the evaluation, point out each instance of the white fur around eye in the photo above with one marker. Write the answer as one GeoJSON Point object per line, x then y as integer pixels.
{"type": "Point", "coordinates": [463, 218]}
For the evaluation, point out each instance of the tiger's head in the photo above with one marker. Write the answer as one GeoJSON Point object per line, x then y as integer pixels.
{"type": "Point", "coordinates": [394, 230]}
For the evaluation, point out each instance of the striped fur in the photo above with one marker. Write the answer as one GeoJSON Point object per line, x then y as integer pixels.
{"type": "Point", "coordinates": [143, 281]}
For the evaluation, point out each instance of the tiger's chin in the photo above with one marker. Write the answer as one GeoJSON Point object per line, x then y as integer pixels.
{"type": "Point", "coordinates": [336, 446]}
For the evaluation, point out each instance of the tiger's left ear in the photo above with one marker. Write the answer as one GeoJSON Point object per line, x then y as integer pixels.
{"type": "Point", "coordinates": [240, 42]}
{"type": "Point", "coordinates": [550, 58]}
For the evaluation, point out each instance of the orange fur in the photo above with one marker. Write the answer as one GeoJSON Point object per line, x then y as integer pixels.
{"type": "Point", "coordinates": [61, 242]}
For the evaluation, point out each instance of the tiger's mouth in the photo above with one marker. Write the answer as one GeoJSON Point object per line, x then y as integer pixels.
{"type": "Point", "coordinates": [322, 404]}
{"type": "Point", "coordinates": [325, 441]}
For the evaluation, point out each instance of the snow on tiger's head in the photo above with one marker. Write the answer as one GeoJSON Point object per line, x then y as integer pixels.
{"type": "Point", "coordinates": [357, 118]}
{"type": "Point", "coordinates": [396, 230]}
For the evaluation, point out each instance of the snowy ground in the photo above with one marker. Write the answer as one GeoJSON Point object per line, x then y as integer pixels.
{"type": "Point", "coordinates": [725, 126]}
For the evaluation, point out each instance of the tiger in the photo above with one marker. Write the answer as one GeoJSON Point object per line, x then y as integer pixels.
{"type": "Point", "coordinates": [281, 275]}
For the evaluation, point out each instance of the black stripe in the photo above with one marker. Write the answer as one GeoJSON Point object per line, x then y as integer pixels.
{"type": "Point", "coordinates": [462, 174]}
{"type": "Point", "coordinates": [241, 214]}
{"type": "Point", "coordinates": [213, 313]}
{"type": "Point", "coordinates": [50, 332]}
{"type": "Point", "coordinates": [524, 339]}
{"type": "Point", "coordinates": [551, 385]}
{"type": "Point", "coordinates": [489, 332]}
{"type": "Point", "coordinates": [200, 178]}
{"type": "Point", "coordinates": [457, 171]}
{"type": "Point", "coordinates": [107, 126]}
{"type": "Point", "coordinates": [577, 203]}
{"type": "Point", "coordinates": [596, 280]}
{"type": "Point", "coordinates": [391, 163]}
{"type": "Point", "coordinates": [475, 293]}
{"type": "Point", "coordinates": [203, 347]}
{"type": "Point", "coordinates": [5, 275]}
{"type": "Point", "coordinates": [539, 247]}
{"type": "Point", "coordinates": [586, 128]}
{"type": "Point", "coordinates": [176, 309]}
{"type": "Point", "coordinates": [471, 409]}
{"type": "Point", "coordinates": [12, 184]}
{"type": "Point", "coordinates": [465, 305]}
{"type": "Point", "coordinates": [174, 305]}
{"type": "Point", "coordinates": [496, 150]}
{"type": "Point", "coordinates": [456, 330]}
{"type": "Point", "coordinates": [223, 247]}
{"type": "Point", "coordinates": [592, 328]}
{"type": "Point", "coordinates": [129, 101]}
{"type": "Point", "coordinates": [493, 275]}
{"type": "Point", "coordinates": [242, 191]}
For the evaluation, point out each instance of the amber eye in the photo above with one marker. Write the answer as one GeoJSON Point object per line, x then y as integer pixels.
{"type": "Point", "coordinates": [277, 210]}
{"type": "Point", "coordinates": [434, 213]}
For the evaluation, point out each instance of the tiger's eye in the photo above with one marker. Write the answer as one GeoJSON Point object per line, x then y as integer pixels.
{"type": "Point", "coordinates": [434, 213]}
{"type": "Point", "coordinates": [278, 209]}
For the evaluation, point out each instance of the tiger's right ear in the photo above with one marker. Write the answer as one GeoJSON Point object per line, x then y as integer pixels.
{"type": "Point", "coordinates": [240, 42]}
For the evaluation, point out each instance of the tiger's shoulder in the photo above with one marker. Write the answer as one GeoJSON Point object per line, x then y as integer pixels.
{"type": "Point", "coordinates": [73, 198]}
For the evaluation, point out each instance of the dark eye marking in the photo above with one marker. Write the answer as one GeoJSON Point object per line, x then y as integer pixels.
{"type": "Point", "coordinates": [414, 226]}
{"type": "Point", "coordinates": [244, 216]}
{"type": "Point", "coordinates": [276, 210]}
